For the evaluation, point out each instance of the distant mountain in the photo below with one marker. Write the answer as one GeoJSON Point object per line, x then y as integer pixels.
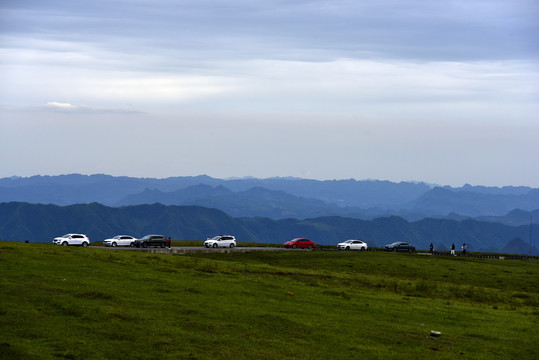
{"type": "Point", "coordinates": [492, 190]}
{"type": "Point", "coordinates": [355, 193]}
{"type": "Point", "coordinates": [518, 246]}
{"type": "Point", "coordinates": [278, 198]}
{"type": "Point", "coordinates": [253, 202]}
{"type": "Point", "coordinates": [109, 190]}
{"type": "Point", "coordinates": [41, 223]}
{"type": "Point", "coordinates": [515, 217]}
{"type": "Point", "coordinates": [82, 189]}
{"type": "Point", "coordinates": [441, 201]}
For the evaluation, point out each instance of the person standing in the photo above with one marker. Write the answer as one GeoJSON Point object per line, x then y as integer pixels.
{"type": "Point", "coordinates": [431, 248]}
{"type": "Point", "coordinates": [169, 242]}
{"type": "Point", "coordinates": [453, 249]}
{"type": "Point", "coordinates": [464, 249]}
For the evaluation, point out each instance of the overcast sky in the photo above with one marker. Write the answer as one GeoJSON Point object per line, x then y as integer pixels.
{"type": "Point", "coordinates": [445, 92]}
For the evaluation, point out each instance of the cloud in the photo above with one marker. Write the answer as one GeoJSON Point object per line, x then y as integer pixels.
{"type": "Point", "coordinates": [269, 73]}
{"type": "Point", "coordinates": [63, 107]}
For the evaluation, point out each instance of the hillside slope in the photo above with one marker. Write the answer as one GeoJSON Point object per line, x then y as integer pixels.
{"type": "Point", "coordinates": [41, 223]}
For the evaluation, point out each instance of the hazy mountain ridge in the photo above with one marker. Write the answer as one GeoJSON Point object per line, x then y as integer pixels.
{"type": "Point", "coordinates": [280, 197]}
{"type": "Point", "coordinates": [443, 201]}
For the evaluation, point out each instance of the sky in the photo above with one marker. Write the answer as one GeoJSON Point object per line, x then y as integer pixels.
{"type": "Point", "coordinates": [445, 92]}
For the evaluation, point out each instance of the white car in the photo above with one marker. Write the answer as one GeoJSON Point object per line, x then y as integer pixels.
{"type": "Point", "coordinates": [352, 245]}
{"type": "Point", "coordinates": [72, 239]}
{"type": "Point", "coordinates": [120, 240]}
{"type": "Point", "coordinates": [227, 241]}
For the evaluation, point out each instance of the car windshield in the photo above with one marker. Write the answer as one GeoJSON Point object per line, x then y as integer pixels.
{"type": "Point", "coordinates": [348, 241]}
{"type": "Point", "coordinates": [66, 235]}
{"type": "Point", "coordinates": [146, 237]}
{"type": "Point", "coordinates": [116, 237]}
{"type": "Point", "coordinates": [396, 243]}
{"type": "Point", "coordinates": [215, 238]}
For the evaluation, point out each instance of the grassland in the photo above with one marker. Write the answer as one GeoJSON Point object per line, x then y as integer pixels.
{"type": "Point", "coordinates": [76, 303]}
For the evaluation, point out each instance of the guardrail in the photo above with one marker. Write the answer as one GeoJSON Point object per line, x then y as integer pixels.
{"type": "Point", "coordinates": [447, 253]}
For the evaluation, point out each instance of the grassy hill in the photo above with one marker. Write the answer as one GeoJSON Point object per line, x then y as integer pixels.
{"type": "Point", "coordinates": [84, 303]}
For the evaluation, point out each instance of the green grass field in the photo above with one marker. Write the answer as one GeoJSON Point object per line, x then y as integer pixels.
{"type": "Point", "coordinates": [91, 303]}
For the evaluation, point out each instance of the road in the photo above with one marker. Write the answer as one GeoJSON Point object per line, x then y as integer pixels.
{"type": "Point", "coordinates": [196, 249]}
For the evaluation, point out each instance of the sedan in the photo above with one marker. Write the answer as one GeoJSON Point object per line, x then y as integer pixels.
{"type": "Point", "coordinates": [400, 246]}
{"type": "Point", "coordinates": [352, 245]}
{"type": "Point", "coordinates": [300, 243]}
{"type": "Point", "coordinates": [120, 240]}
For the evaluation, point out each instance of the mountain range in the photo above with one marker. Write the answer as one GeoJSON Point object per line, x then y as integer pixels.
{"type": "Point", "coordinates": [280, 198]}
{"type": "Point", "coordinates": [41, 223]}
{"type": "Point", "coordinates": [272, 210]}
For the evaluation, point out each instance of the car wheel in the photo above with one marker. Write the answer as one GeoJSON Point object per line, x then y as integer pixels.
{"type": "Point", "coordinates": [114, 244]}
{"type": "Point", "coordinates": [163, 245]}
{"type": "Point", "coordinates": [362, 249]}
{"type": "Point", "coordinates": [347, 248]}
{"type": "Point", "coordinates": [310, 247]}
{"type": "Point", "coordinates": [144, 245]}
{"type": "Point", "coordinates": [214, 245]}
{"type": "Point", "coordinates": [294, 246]}
{"type": "Point", "coordinates": [132, 244]}
{"type": "Point", "coordinates": [232, 245]}
{"type": "Point", "coordinates": [65, 243]}
{"type": "Point", "coordinates": [84, 244]}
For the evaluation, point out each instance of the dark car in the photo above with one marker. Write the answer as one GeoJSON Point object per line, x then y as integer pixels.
{"type": "Point", "coordinates": [151, 240]}
{"type": "Point", "coordinates": [399, 246]}
{"type": "Point", "coordinates": [300, 243]}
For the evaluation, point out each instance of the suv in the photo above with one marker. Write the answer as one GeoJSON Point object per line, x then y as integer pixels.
{"type": "Point", "coordinates": [151, 240]}
{"type": "Point", "coordinates": [72, 239]}
{"type": "Point", "coordinates": [228, 241]}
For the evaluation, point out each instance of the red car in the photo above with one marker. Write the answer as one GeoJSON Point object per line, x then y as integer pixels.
{"type": "Point", "coordinates": [300, 243]}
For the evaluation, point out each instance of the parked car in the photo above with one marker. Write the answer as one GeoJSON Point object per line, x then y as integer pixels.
{"type": "Point", "coordinates": [300, 243]}
{"type": "Point", "coordinates": [400, 246]}
{"type": "Point", "coordinates": [151, 240]}
{"type": "Point", "coordinates": [72, 239]}
{"type": "Point", "coordinates": [352, 245]}
{"type": "Point", "coordinates": [227, 241]}
{"type": "Point", "coordinates": [120, 240]}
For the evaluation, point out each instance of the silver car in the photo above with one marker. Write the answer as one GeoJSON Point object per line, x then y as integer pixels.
{"type": "Point", "coordinates": [227, 241]}
{"type": "Point", "coordinates": [352, 245]}
{"type": "Point", "coordinates": [120, 240]}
